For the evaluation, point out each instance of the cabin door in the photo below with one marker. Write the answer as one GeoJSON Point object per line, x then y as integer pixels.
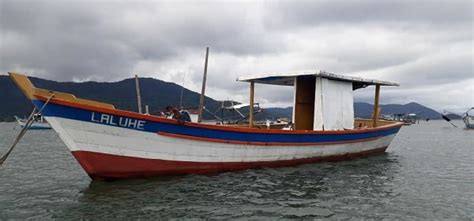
{"type": "Point", "coordinates": [304, 102]}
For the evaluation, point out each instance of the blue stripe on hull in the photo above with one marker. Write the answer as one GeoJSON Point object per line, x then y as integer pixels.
{"type": "Point", "coordinates": [155, 127]}
{"type": "Point", "coordinates": [37, 127]}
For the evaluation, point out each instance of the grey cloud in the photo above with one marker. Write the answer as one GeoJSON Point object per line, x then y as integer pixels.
{"type": "Point", "coordinates": [304, 13]}
{"type": "Point", "coordinates": [425, 44]}
{"type": "Point", "coordinates": [100, 40]}
{"type": "Point", "coordinates": [59, 40]}
{"type": "Point", "coordinates": [444, 66]}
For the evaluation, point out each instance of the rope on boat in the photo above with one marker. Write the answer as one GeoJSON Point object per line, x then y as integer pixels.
{"type": "Point", "coordinates": [27, 126]}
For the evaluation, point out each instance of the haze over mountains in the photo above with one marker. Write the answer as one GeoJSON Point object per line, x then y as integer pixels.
{"type": "Point", "coordinates": [158, 94]}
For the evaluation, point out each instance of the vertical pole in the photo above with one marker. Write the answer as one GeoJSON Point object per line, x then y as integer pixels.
{"type": "Point", "coordinates": [252, 93]}
{"type": "Point", "coordinates": [182, 90]}
{"type": "Point", "coordinates": [222, 113]}
{"type": "Point", "coordinates": [376, 106]}
{"type": "Point", "coordinates": [203, 90]}
{"type": "Point", "coordinates": [139, 98]}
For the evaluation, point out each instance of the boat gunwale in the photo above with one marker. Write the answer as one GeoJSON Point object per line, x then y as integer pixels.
{"type": "Point", "coordinates": [208, 126]}
{"type": "Point", "coordinates": [257, 143]}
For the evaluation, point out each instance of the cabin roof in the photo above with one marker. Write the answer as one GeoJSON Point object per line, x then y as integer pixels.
{"type": "Point", "coordinates": [288, 79]}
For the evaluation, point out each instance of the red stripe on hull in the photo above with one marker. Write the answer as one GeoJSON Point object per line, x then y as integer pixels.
{"type": "Point", "coordinates": [100, 166]}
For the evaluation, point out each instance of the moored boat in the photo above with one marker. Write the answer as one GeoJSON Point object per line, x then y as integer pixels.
{"type": "Point", "coordinates": [468, 119]}
{"type": "Point", "coordinates": [39, 123]}
{"type": "Point", "coordinates": [110, 143]}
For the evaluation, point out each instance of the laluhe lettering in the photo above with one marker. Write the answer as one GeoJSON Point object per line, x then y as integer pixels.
{"type": "Point", "coordinates": [118, 121]}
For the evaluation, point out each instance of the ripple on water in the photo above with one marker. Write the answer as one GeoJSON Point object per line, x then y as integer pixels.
{"type": "Point", "coordinates": [426, 174]}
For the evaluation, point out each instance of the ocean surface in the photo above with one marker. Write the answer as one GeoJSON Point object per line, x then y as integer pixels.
{"type": "Point", "coordinates": [426, 174]}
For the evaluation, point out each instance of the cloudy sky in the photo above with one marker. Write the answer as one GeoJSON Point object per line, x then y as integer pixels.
{"type": "Point", "coordinates": [426, 46]}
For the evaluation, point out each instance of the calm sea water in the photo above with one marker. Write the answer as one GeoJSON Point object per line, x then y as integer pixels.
{"type": "Point", "coordinates": [427, 173]}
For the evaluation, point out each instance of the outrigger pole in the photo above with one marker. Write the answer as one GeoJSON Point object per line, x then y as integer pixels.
{"type": "Point", "coordinates": [182, 90]}
{"type": "Point", "coordinates": [139, 98]}
{"type": "Point", "coordinates": [203, 90]}
{"type": "Point", "coordinates": [446, 118]}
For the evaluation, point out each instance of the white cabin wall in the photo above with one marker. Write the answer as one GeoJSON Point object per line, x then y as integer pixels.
{"type": "Point", "coordinates": [334, 105]}
{"type": "Point", "coordinates": [348, 106]}
{"type": "Point", "coordinates": [318, 122]}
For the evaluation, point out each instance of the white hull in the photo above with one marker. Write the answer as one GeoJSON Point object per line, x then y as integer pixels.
{"type": "Point", "coordinates": [92, 137]}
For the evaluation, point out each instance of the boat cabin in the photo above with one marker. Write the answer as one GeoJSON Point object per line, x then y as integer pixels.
{"type": "Point", "coordinates": [322, 100]}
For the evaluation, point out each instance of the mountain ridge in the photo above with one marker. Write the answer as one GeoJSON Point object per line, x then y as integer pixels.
{"type": "Point", "coordinates": [158, 94]}
{"type": "Point", "coordinates": [155, 93]}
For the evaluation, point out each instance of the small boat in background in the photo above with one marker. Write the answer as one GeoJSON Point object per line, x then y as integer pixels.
{"type": "Point", "coordinates": [468, 119]}
{"type": "Point", "coordinates": [38, 124]}
{"type": "Point", "coordinates": [407, 119]}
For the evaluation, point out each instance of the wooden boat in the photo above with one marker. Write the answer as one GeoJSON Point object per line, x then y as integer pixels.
{"type": "Point", "coordinates": [39, 123]}
{"type": "Point", "coordinates": [111, 144]}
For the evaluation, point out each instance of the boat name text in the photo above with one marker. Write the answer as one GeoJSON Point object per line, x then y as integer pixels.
{"type": "Point", "coordinates": [118, 121]}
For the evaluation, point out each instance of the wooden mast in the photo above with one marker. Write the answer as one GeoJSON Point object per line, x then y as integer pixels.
{"type": "Point", "coordinates": [375, 116]}
{"type": "Point", "coordinates": [139, 98]}
{"type": "Point", "coordinates": [203, 90]}
{"type": "Point", "coordinates": [252, 93]}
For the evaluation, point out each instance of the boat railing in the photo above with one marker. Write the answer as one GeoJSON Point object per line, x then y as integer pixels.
{"type": "Point", "coordinates": [358, 124]}
{"type": "Point", "coordinates": [368, 123]}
